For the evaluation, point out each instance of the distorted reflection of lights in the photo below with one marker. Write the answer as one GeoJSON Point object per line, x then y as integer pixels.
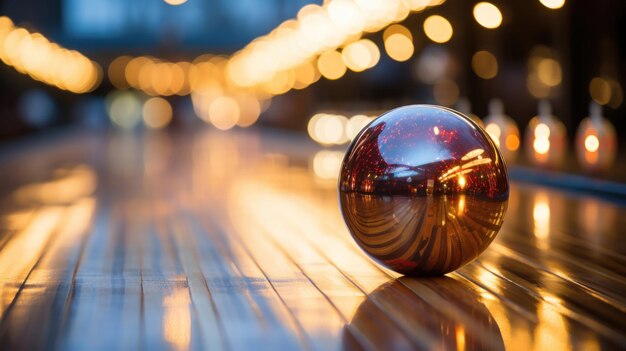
{"type": "Point", "coordinates": [67, 186]}
{"type": "Point", "coordinates": [552, 330]}
{"type": "Point", "coordinates": [541, 218]}
{"type": "Point", "coordinates": [460, 337]}
{"type": "Point", "coordinates": [177, 319]}
{"type": "Point", "coordinates": [21, 252]}
{"type": "Point", "coordinates": [462, 181]}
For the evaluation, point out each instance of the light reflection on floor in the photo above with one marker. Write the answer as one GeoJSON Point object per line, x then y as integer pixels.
{"type": "Point", "coordinates": [236, 239]}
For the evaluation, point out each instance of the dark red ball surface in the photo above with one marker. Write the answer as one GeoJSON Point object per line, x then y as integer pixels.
{"type": "Point", "coordinates": [423, 190]}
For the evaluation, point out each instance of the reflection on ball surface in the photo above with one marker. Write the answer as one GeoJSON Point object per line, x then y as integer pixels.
{"type": "Point", "coordinates": [423, 190]}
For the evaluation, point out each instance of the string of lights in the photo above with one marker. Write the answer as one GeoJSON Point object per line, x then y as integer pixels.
{"type": "Point", "coordinates": [33, 54]}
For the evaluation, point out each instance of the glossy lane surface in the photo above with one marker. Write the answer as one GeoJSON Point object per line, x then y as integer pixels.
{"type": "Point", "coordinates": [205, 240]}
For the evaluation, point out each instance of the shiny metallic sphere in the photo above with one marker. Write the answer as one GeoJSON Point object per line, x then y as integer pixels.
{"type": "Point", "coordinates": [423, 190]}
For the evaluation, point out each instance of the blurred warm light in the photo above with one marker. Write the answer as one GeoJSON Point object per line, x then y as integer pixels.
{"type": "Point", "coordinates": [116, 72]}
{"type": "Point", "coordinates": [596, 141]}
{"type": "Point", "coordinates": [446, 92]}
{"type": "Point", "coordinates": [502, 130]}
{"type": "Point", "coordinates": [436, 130]}
{"type": "Point", "coordinates": [306, 74]}
{"type": "Point", "coordinates": [494, 132]}
{"type": "Point", "coordinates": [546, 138]}
{"type": "Point", "coordinates": [541, 218]}
{"type": "Point", "coordinates": [331, 65]}
{"type": "Point", "coordinates": [485, 64]}
{"type": "Point", "coordinates": [157, 113]}
{"type": "Point", "coordinates": [541, 142]}
{"type": "Point", "coordinates": [511, 142]}
{"type": "Point", "coordinates": [249, 110]}
{"type": "Point", "coordinates": [360, 55]}
{"type": "Point", "coordinates": [553, 4]}
{"type": "Point", "coordinates": [326, 164]}
{"type": "Point", "coordinates": [438, 29]}
{"type": "Point", "coordinates": [69, 185]}
{"type": "Point", "coordinates": [600, 90]}
{"type": "Point", "coordinates": [177, 318]}
{"type": "Point", "coordinates": [487, 15]}
{"type": "Point", "coordinates": [541, 145]}
{"type": "Point", "coordinates": [175, 2]}
{"type": "Point", "coordinates": [398, 42]}
{"type": "Point", "coordinates": [34, 55]}
{"type": "Point", "coordinates": [287, 57]}
{"type": "Point", "coordinates": [544, 72]}
{"type": "Point", "coordinates": [462, 181]}
{"type": "Point", "coordinates": [316, 30]}
{"type": "Point", "coordinates": [592, 143]}
{"type": "Point", "coordinates": [124, 109]}
{"type": "Point", "coordinates": [549, 72]}
{"type": "Point", "coordinates": [328, 129]}
{"type": "Point", "coordinates": [224, 112]}
{"type": "Point", "coordinates": [542, 131]}
{"type": "Point", "coordinates": [355, 124]}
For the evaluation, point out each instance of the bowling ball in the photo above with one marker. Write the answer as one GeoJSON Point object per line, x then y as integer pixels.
{"type": "Point", "coordinates": [423, 190]}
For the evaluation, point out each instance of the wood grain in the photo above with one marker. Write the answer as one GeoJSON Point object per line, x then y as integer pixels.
{"type": "Point", "coordinates": [205, 240]}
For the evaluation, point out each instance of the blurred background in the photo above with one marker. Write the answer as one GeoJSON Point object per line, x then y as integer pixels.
{"type": "Point", "coordinates": [543, 77]}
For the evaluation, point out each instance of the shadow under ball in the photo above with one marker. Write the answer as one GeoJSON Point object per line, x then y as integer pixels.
{"type": "Point", "coordinates": [423, 190]}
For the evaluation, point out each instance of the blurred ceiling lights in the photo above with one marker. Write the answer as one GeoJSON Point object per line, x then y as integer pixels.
{"type": "Point", "coordinates": [317, 29]}
{"type": "Point", "coordinates": [485, 64]}
{"type": "Point", "coordinates": [398, 42]}
{"type": "Point", "coordinates": [487, 15]}
{"type": "Point", "coordinates": [438, 29]}
{"type": "Point", "coordinates": [553, 4]}
{"type": "Point", "coordinates": [34, 55]}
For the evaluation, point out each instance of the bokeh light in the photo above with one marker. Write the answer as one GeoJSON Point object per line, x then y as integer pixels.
{"type": "Point", "coordinates": [600, 90]}
{"type": "Point", "coordinates": [157, 113]}
{"type": "Point", "coordinates": [438, 29]}
{"type": "Point", "coordinates": [553, 4]}
{"type": "Point", "coordinates": [361, 55]}
{"type": "Point", "coordinates": [485, 64]}
{"type": "Point", "coordinates": [34, 55]}
{"type": "Point", "coordinates": [224, 113]}
{"type": "Point", "coordinates": [331, 65]}
{"type": "Point", "coordinates": [124, 109]}
{"type": "Point", "coordinates": [487, 15]}
{"type": "Point", "coordinates": [398, 42]}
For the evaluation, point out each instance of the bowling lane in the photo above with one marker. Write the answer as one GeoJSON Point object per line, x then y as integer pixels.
{"type": "Point", "coordinates": [197, 240]}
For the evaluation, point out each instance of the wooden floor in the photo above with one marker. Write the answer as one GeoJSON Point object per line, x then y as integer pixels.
{"type": "Point", "coordinates": [207, 241]}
